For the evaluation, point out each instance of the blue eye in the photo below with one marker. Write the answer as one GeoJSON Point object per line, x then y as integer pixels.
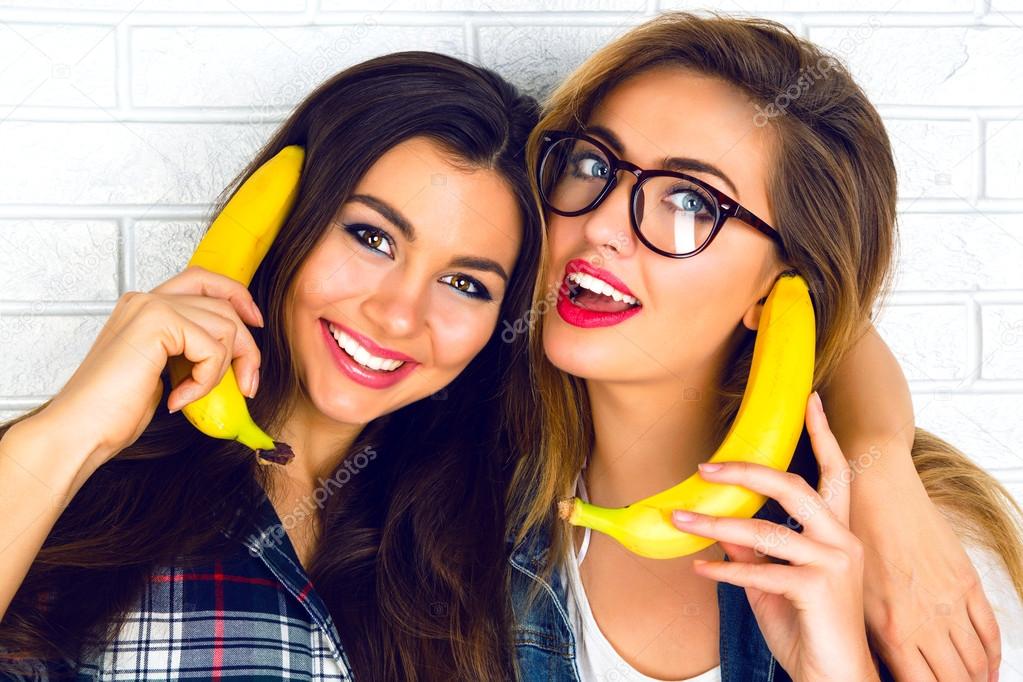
{"type": "Point", "coordinates": [691, 201]}
{"type": "Point", "coordinates": [372, 238]}
{"type": "Point", "coordinates": [588, 165]}
{"type": "Point", "coordinates": [467, 286]}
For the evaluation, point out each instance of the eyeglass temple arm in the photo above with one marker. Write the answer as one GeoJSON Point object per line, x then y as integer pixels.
{"type": "Point", "coordinates": [750, 219]}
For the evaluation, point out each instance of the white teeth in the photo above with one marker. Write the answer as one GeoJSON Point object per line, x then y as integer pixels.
{"type": "Point", "coordinates": [360, 354]}
{"type": "Point", "coordinates": [600, 286]}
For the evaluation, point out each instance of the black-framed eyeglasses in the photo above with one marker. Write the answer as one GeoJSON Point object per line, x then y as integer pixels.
{"type": "Point", "coordinates": [673, 214]}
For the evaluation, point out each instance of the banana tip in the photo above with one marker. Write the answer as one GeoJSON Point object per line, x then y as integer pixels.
{"type": "Point", "coordinates": [565, 507]}
{"type": "Point", "coordinates": [281, 454]}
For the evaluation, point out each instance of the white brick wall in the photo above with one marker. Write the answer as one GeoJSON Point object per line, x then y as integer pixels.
{"type": "Point", "coordinates": [121, 120]}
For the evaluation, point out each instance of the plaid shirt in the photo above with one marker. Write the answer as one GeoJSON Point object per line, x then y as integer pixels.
{"type": "Point", "coordinates": [250, 615]}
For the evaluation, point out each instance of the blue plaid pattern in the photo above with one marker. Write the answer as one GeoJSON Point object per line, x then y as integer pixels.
{"type": "Point", "coordinates": [250, 615]}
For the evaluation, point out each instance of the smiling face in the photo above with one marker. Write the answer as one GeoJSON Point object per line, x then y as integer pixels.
{"type": "Point", "coordinates": [405, 286]}
{"type": "Point", "coordinates": [673, 314]}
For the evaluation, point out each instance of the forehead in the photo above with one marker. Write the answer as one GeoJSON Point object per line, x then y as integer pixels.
{"type": "Point", "coordinates": [446, 202]}
{"type": "Point", "coordinates": [670, 111]}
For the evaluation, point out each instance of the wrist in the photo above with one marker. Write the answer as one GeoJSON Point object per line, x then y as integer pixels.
{"type": "Point", "coordinates": [881, 473]}
{"type": "Point", "coordinates": [46, 448]}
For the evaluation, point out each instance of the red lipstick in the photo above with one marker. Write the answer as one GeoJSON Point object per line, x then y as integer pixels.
{"type": "Point", "coordinates": [578, 316]}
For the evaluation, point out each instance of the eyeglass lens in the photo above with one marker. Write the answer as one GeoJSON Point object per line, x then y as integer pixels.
{"type": "Point", "coordinates": [672, 214]}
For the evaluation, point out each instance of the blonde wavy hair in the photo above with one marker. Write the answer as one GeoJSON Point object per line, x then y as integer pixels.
{"type": "Point", "coordinates": [832, 188]}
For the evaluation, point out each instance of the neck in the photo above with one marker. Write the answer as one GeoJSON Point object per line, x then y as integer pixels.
{"type": "Point", "coordinates": [320, 445]}
{"type": "Point", "coordinates": [649, 436]}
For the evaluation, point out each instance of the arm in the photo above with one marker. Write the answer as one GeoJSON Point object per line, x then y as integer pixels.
{"type": "Point", "coordinates": [41, 469]}
{"type": "Point", "coordinates": [918, 578]}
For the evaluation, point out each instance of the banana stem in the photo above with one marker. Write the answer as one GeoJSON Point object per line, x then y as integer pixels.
{"type": "Point", "coordinates": [565, 508]}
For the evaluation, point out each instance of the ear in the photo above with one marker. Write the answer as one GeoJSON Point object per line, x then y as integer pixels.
{"type": "Point", "coordinates": [751, 318]}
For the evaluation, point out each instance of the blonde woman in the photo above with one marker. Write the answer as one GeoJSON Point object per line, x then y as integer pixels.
{"type": "Point", "coordinates": [671, 179]}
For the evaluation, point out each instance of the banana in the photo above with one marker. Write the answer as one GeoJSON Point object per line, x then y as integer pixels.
{"type": "Point", "coordinates": [766, 430]}
{"type": "Point", "coordinates": [234, 246]}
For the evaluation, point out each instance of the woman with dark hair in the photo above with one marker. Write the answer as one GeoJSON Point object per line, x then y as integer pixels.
{"type": "Point", "coordinates": [414, 230]}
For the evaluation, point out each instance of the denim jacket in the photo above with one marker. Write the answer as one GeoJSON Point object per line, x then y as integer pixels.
{"type": "Point", "coordinates": [545, 647]}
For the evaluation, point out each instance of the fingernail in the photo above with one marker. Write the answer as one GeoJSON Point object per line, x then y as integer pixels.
{"type": "Point", "coordinates": [259, 315]}
{"type": "Point", "coordinates": [708, 466]}
{"type": "Point", "coordinates": [254, 383]}
{"type": "Point", "coordinates": [684, 516]}
{"type": "Point", "coordinates": [183, 399]}
{"type": "Point", "coordinates": [817, 402]}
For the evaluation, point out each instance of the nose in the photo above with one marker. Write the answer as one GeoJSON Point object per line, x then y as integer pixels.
{"type": "Point", "coordinates": [398, 306]}
{"type": "Point", "coordinates": [608, 226]}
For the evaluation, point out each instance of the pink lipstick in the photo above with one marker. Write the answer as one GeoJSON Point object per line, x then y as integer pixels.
{"type": "Point", "coordinates": [359, 373]}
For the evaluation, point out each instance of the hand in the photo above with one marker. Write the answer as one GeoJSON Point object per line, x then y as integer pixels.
{"type": "Point", "coordinates": [112, 396]}
{"type": "Point", "coordinates": [810, 610]}
{"type": "Point", "coordinates": [922, 593]}
{"type": "Point", "coordinates": [921, 590]}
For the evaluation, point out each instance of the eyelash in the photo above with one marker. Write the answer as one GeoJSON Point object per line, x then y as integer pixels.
{"type": "Point", "coordinates": [481, 293]}
{"type": "Point", "coordinates": [359, 230]}
{"type": "Point", "coordinates": [356, 228]}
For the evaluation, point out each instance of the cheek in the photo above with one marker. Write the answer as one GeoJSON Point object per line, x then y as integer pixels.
{"type": "Point", "coordinates": [561, 240]}
{"type": "Point", "coordinates": [459, 330]}
{"type": "Point", "coordinates": [335, 275]}
{"type": "Point", "coordinates": [701, 308]}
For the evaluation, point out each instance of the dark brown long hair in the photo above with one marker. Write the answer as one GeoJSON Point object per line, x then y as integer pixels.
{"type": "Point", "coordinates": [411, 553]}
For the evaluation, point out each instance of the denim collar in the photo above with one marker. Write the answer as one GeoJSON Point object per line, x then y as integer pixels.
{"type": "Point", "coordinates": [744, 654]}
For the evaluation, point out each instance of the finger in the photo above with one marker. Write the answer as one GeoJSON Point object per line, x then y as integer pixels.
{"type": "Point", "coordinates": [766, 577]}
{"type": "Point", "coordinates": [208, 353]}
{"type": "Point", "coordinates": [985, 624]}
{"type": "Point", "coordinates": [835, 473]}
{"type": "Point", "coordinates": [246, 357]}
{"type": "Point", "coordinates": [791, 490]}
{"type": "Point", "coordinates": [747, 555]}
{"type": "Point", "coordinates": [906, 663]}
{"type": "Point", "coordinates": [760, 536]}
{"type": "Point", "coordinates": [195, 280]}
{"type": "Point", "coordinates": [970, 650]}
{"type": "Point", "coordinates": [944, 661]}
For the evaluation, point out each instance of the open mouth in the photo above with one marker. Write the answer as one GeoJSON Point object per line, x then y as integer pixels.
{"type": "Point", "coordinates": [361, 354]}
{"type": "Point", "coordinates": [360, 359]}
{"type": "Point", "coordinates": [594, 297]}
{"type": "Point", "coordinates": [593, 293]}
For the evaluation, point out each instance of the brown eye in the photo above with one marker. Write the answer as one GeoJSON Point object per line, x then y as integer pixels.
{"type": "Point", "coordinates": [372, 238]}
{"type": "Point", "coordinates": [467, 286]}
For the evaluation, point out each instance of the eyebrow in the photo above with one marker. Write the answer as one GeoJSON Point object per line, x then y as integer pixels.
{"type": "Point", "coordinates": [401, 222]}
{"type": "Point", "coordinates": [391, 213]}
{"type": "Point", "coordinates": [674, 163]}
{"type": "Point", "coordinates": [478, 263]}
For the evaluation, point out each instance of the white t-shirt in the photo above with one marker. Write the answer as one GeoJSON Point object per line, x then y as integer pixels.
{"type": "Point", "coordinates": [599, 662]}
{"type": "Point", "coordinates": [597, 659]}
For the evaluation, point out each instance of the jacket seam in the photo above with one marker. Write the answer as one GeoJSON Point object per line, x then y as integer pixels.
{"type": "Point", "coordinates": [557, 604]}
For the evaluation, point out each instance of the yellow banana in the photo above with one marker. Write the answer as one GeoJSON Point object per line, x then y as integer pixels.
{"type": "Point", "coordinates": [234, 246]}
{"type": "Point", "coordinates": [766, 430]}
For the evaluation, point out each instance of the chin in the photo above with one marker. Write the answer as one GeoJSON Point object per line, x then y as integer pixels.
{"type": "Point", "coordinates": [564, 350]}
{"type": "Point", "coordinates": [349, 408]}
